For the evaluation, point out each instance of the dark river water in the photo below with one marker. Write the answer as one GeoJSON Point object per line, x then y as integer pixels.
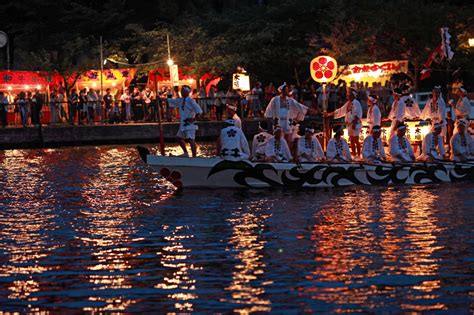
{"type": "Point", "coordinates": [95, 230]}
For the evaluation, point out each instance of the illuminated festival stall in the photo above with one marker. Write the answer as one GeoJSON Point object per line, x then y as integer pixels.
{"type": "Point", "coordinates": [113, 79]}
{"type": "Point", "coordinates": [14, 82]}
{"type": "Point", "coordinates": [186, 76]}
{"type": "Point", "coordinates": [379, 72]}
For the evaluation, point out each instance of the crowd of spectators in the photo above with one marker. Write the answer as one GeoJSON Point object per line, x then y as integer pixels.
{"type": "Point", "coordinates": [140, 104]}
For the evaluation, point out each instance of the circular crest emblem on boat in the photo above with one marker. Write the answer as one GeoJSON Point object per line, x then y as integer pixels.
{"type": "Point", "coordinates": [174, 177]}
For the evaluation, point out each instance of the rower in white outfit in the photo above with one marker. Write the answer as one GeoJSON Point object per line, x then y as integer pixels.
{"type": "Point", "coordinates": [188, 111]}
{"type": "Point", "coordinates": [352, 113]}
{"type": "Point", "coordinates": [374, 116]}
{"type": "Point", "coordinates": [372, 150]}
{"type": "Point", "coordinates": [435, 109]}
{"type": "Point", "coordinates": [259, 142]}
{"type": "Point", "coordinates": [433, 145]}
{"type": "Point", "coordinates": [308, 148]}
{"type": "Point", "coordinates": [462, 146]}
{"type": "Point", "coordinates": [232, 114]}
{"type": "Point", "coordinates": [338, 149]}
{"type": "Point", "coordinates": [232, 144]}
{"type": "Point", "coordinates": [400, 147]}
{"type": "Point", "coordinates": [397, 112]}
{"type": "Point", "coordinates": [277, 150]}
{"type": "Point", "coordinates": [285, 112]}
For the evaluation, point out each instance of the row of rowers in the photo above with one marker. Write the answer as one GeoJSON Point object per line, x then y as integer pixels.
{"type": "Point", "coordinates": [286, 113]}
{"type": "Point", "coordinates": [233, 146]}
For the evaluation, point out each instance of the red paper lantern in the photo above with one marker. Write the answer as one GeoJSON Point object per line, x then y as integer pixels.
{"type": "Point", "coordinates": [323, 69]}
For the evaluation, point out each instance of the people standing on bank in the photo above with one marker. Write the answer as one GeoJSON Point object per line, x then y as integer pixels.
{"type": "Point", "coordinates": [148, 102]}
{"type": "Point", "coordinates": [37, 102]}
{"type": "Point", "coordinates": [189, 110]}
{"type": "Point", "coordinates": [352, 113]}
{"type": "Point", "coordinates": [73, 101]}
{"type": "Point", "coordinates": [92, 100]}
{"type": "Point", "coordinates": [108, 104]}
{"type": "Point", "coordinates": [232, 144]}
{"type": "Point", "coordinates": [400, 147]}
{"type": "Point", "coordinates": [59, 100]}
{"type": "Point", "coordinates": [137, 105]}
{"type": "Point", "coordinates": [53, 110]}
{"type": "Point", "coordinates": [23, 104]}
{"type": "Point", "coordinates": [126, 100]}
{"type": "Point", "coordinates": [3, 109]}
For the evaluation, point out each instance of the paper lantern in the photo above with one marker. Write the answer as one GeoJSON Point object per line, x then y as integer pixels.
{"type": "Point", "coordinates": [323, 69]}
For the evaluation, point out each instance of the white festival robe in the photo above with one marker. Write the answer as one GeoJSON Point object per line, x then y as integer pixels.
{"type": "Point", "coordinates": [432, 146]}
{"type": "Point", "coordinates": [463, 108]}
{"type": "Point", "coordinates": [462, 145]}
{"type": "Point", "coordinates": [374, 116]}
{"type": "Point", "coordinates": [286, 118]}
{"type": "Point", "coordinates": [373, 150]}
{"type": "Point", "coordinates": [278, 150]}
{"type": "Point", "coordinates": [238, 121]}
{"type": "Point", "coordinates": [338, 150]}
{"type": "Point", "coordinates": [259, 144]}
{"type": "Point", "coordinates": [397, 113]}
{"type": "Point", "coordinates": [400, 146]}
{"type": "Point", "coordinates": [311, 149]}
{"type": "Point", "coordinates": [234, 145]}
{"type": "Point", "coordinates": [412, 110]}
{"type": "Point", "coordinates": [353, 126]}
{"type": "Point", "coordinates": [188, 109]}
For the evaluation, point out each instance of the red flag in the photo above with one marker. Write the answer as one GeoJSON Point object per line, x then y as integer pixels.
{"type": "Point", "coordinates": [436, 55]}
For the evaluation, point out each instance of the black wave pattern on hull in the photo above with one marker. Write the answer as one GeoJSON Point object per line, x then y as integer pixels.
{"type": "Point", "coordinates": [333, 175]}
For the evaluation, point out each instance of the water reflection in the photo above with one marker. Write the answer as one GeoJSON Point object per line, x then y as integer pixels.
{"type": "Point", "coordinates": [248, 244]}
{"type": "Point", "coordinates": [95, 230]}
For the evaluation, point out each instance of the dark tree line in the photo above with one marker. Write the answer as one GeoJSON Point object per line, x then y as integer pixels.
{"type": "Point", "coordinates": [273, 39]}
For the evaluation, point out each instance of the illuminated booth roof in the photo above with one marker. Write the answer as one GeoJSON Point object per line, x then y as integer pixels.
{"type": "Point", "coordinates": [114, 79]}
{"type": "Point", "coordinates": [17, 81]}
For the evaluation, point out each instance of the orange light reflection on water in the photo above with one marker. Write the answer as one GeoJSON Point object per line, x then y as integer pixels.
{"type": "Point", "coordinates": [247, 224]}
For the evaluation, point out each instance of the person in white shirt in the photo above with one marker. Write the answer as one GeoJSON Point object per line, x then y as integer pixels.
{"type": "Point", "coordinates": [435, 109]}
{"type": "Point", "coordinates": [232, 144]}
{"type": "Point", "coordinates": [400, 147]}
{"type": "Point", "coordinates": [433, 145]}
{"type": "Point", "coordinates": [412, 110]}
{"type": "Point", "coordinates": [285, 112]}
{"type": "Point", "coordinates": [373, 150]}
{"type": "Point", "coordinates": [352, 113]}
{"type": "Point", "coordinates": [232, 114]}
{"type": "Point", "coordinates": [126, 100]}
{"type": "Point", "coordinates": [338, 149]}
{"type": "Point", "coordinates": [188, 111]}
{"type": "Point", "coordinates": [277, 150]}
{"type": "Point", "coordinates": [259, 142]}
{"type": "Point", "coordinates": [308, 148]}
{"type": "Point", "coordinates": [374, 116]}
{"type": "Point", "coordinates": [397, 112]}
{"type": "Point", "coordinates": [462, 145]}
{"type": "Point", "coordinates": [462, 109]}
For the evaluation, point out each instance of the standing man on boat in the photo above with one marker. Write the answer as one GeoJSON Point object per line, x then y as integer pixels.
{"type": "Point", "coordinates": [435, 110]}
{"type": "Point", "coordinates": [308, 148]}
{"type": "Point", "coordinates": [232, 144]}
{"type": "Point", "coordinates": [260, 142]}
{"type": "Point", "coordinates": [277, 150]}
{"type": "Point", "coordinates": [372, 150]}
{"type": "Point", "coordinates": [397, 112]}
{"type": "Point", "coordinates": [285, 112]}
{"type": "Point", "coordinates": [338, 149]}
{"type": "Point", "coordinates": [188, 112]}
{"type": "Point", "coordinates": [374, 116]}
{"type": "Point", "coordinates": [352, 113]}
{"type": "Point", "coordinates": [400, 147]}
{"type": "Point", "coordinates": [462, 146]}
{"type": "Point", "coordinates": [433, 145]}
{"type": "Point", "coordinates": [412, 110]}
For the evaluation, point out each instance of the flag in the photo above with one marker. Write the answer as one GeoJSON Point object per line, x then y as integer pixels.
{"type": "Point", "coordinates": [436, 56]}
{"type": "Point", "coordinates": [446, 44]}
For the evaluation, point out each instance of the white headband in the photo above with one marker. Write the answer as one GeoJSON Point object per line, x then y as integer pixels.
{"type": "Point", "coordinates": [372, 99]}
{"type": "Point", "coordinates": [186, 88]}
{"type": "Point", "coordinates": [281, 87]}
{"type": "Point", "coordinates": [232, 107]}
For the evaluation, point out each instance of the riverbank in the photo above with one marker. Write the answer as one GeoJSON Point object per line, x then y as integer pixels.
{"type": "Point", "coordinates": [68, 135]}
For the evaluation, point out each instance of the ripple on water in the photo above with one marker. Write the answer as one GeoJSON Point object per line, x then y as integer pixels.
{"type": "Point", "coordinates": [93, 229]}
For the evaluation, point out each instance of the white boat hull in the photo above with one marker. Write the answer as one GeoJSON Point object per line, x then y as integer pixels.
{"type": "Point", "coordinates": [218, 173]}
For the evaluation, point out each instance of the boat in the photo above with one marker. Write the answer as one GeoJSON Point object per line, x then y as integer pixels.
{"type": "Point", "coordinates": [213, 172]}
